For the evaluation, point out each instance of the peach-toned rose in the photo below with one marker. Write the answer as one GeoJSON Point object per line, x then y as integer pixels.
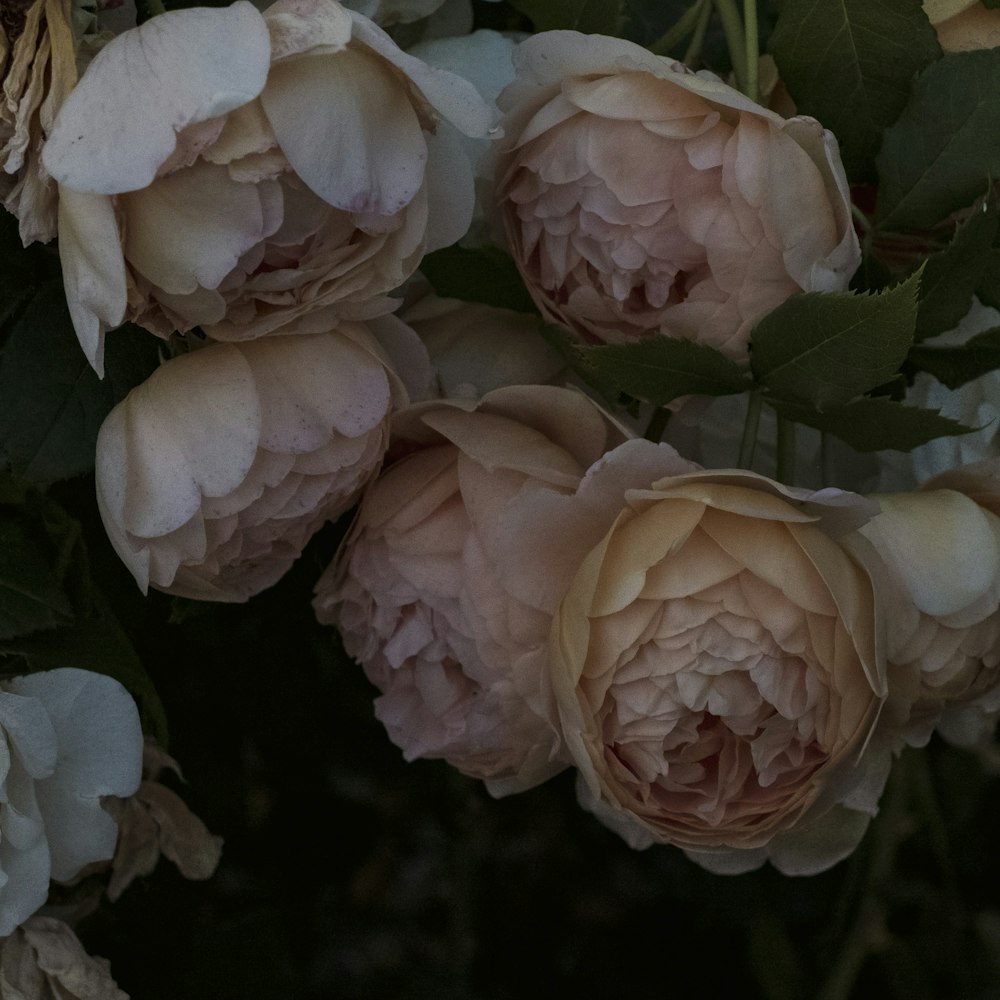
{"type": "Point", "coordinates": [641, 198]}
{"type": "Point", "coordinates": [214, 473]}
{"type": "Point", "coordinates": [714, 658]}
{"type": "Point", "coordinates": [292, 162]}
{"type": "Point", "coordinates": [419, 591]}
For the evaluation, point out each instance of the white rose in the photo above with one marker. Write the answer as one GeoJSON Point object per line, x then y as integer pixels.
{"type": "Point", "coordinates": [69, 737]}
{"type": "Point", "coordinates": [214, 473]}
{"type": "Point", "coordinates": [293, 162]}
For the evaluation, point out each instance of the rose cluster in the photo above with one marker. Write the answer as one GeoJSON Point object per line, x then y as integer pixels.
{"type": "Point", "coordinates": [729, 663]}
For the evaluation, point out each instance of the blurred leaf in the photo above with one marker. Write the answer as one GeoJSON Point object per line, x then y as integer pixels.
{"type": "Point", "coordinates": [954, 366]}
{"type": "Point", "coordinates": [849, 63]}
{"type": "Point", "coordinates": [659, 369]}
{"type": "Point", "coordinates": [52, 403]}
{"type": "Point", "coordinates": [31, 599]}
{"type": "Point", "coordinates": [945, 146]}
{"type": "Point", "coordinates": [598, 17]}
{"type": "Point", "coordinates": [827, 348]}
{"type": "Point", "coordinates": [485, 274]}
{"type": "Point", "coordinates": [874, 424]}
{"type": "Point", "coordinates": [95, 641]}
{"type": "Point", "coordinates": [951, 276]}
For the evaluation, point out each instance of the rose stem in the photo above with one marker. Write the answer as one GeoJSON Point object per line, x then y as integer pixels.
{"type": "Point", "coordinates": [698, 38]}
{"type": "Point", "coordinates": [657, 424]}
{"type": "Point", "coordinates": [785, 472]}
{"type": "Point", "coordinates": [733, 30]}
{"type": "Point", "coordinates": [749, 442]}
{"type": "Point", "coordinates": [753, 48]}
{"type": "Point", "coordinates": [683, 27]}
{"type": "Point", "coordinates": [867, 934]}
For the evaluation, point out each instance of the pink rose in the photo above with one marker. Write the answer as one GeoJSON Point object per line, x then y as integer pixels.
{"type": "Point", "coordinates": [293, 163]}
{"type": "Point", "coordinates": [419, 590]}
{"type": "Point", "coordinates": [641, 198]}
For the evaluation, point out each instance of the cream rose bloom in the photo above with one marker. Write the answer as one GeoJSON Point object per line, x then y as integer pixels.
{"type": "Point", "coordinates": [67, 738]}
{"type": "Point", "coordinates": [419, 590]}
{"type": "Point", "coordinates": [641, 198]}
{"type": "Point", "coordinates": [44, 960]}
{"type": "Point", "coordinates": [714, 657]}
{"type": "Point", "coordinates": [293, 162]}
{"type": "Point", "coordinates": [214, 473]}
{"type": "Point", "coordinates": [942, 549]}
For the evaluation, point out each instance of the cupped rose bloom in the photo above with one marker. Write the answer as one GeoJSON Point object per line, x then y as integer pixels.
{"type": "Point", "coordinates": [44, 960]}
{"type": "Point", "coordinates": [214, 473]}
{"type": "Point", "coordinates": [418, 590]}
{"type": "Point", "coordinates": [714, 658]}
{"type": "Point", "coordinates": [293, 163]}
{"type": "Point", "coordinates": [67, 738]}
{"type": "Point", "coordinates": [641, 198]}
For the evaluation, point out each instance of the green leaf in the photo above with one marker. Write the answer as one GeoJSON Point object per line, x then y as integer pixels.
{"type": "Point", "coordinates": [945, 146]}
{"type": "Point", "coordinates": [826, 348]}
{"type": "Point", "coordinates": [31, 599]}
{"type": "Point", "coordinates": [597, 17]}
{"type": "Point", "coordinates": [52, 403]}
{"type": "Point", "coordinates": [872, 275]}
{"type": "Point", "coordinates": [954, 366]}
{"type": "Point", "coordinates": [849, 63]}
{"type": "Point", "coordinates": [578, 361]}
{"type": "Point", "coordinates": [952, 275]}
{"type": "Point", "coordinates": [875, 423]}
{"type": "Point", "coordinates": [659, 369]}
{"type": "Point", "coordinates": [989, 285]}
{"type": "Point", "coordinates": [95, 642]}
{"type": "Point", "coordinates": [484, 274]}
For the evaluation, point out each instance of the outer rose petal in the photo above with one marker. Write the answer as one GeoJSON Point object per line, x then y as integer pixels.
{"type": "Point", "coordinates": [216, 60]}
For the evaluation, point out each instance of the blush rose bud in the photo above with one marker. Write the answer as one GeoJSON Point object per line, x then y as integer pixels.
{"type": "Point", "coordinates": [640, 198]}
{"type": "Point", "coordinates": [214, 473]}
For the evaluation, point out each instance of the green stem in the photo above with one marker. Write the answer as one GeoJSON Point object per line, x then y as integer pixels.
{"type": "Point", "coordinates": [698, 38]}
{"type": "Point", "coordinates": [752, 49]}
{"type": "Point", "coordinates": [685, 24]}
{"type": "Point", "coordinates": [785, 472]}
{"type": "Point", "coordinates": [749, 442]}
{"type": "Point", "coordinates": [657, 425]}
{"type": "Point", "coordinates": [732, 28]}
{"type": "Point", "coordinates": [860, 218]}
